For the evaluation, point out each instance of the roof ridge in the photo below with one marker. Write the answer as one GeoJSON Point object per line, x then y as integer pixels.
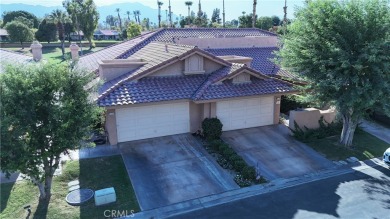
{"type": "Point", "coordinates": [16, 53]}
{"type": "Point", "coordinates": [173, 44]}
{"type": "Point", "coordinates": [166, 62]}
{"type": "Point", "coordinates": [209, 81]}
{"type": "Point", "coordinates": [253, 47]}
{"type": "Point", "coordinates": [125, 41]}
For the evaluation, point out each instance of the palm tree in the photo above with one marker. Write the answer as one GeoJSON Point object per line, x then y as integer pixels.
{"type": "Point", "coordinates": [188, 4]}
{"type": "Point", "coordinates": [59, 17]}
{"type": "Point", "coordinates": [135, 16]}
{"type": "Point", "coordinates": [159, 3]}
{"type": "Point", "coordinates": [254, 13]}
{"type": "Point", "coordinates": [128, 15]}
{"type": "Point", "coordinates": [119, 18]}
{"type": "Point", "coordinates": [138, 14]}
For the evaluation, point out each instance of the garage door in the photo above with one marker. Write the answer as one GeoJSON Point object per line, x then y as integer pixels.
{"type": "Point", "coordinates": [246, 113]}
{"type": "Point", "coordinates": [136, 123]}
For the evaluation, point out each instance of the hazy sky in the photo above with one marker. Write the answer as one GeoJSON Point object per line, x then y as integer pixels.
{"type": "Point", "coordinates": [233, 8]}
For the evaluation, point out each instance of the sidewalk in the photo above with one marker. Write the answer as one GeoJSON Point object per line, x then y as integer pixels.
{"type": "Point", "coordinates": [84, 153]}
{"type": "Point", "coordinates": [377, 130]}
{"type": "Point", "coordinates": [238, 194]}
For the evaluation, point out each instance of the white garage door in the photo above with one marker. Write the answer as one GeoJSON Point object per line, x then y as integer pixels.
{"type": "Point", "coordinates": [246, 113]}
{"type": "Point", "coordinates": [142, 122]}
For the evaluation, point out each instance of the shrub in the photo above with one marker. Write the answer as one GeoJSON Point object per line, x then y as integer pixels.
{"type": "Point", "coordinates": [241, 181]}
{"type": "Point", "coordinates": [234, 157]}
{"type": "Point", "coordinates": [325, 130]}
{"type": "Point", "coordinates": [239, 165]}
{"type": "Point", "coordinates": [222, 147]}
{"type": "Point", "coordinates": [291, 102]}
{"type": "Point", "coordinates": [249, 173]}
{"type": "Point", "coordinates": [212, 128]}
{"type": "Point", "coordinates": [216, 144]}
{"type": "Point", "coordinates": [227, 152]}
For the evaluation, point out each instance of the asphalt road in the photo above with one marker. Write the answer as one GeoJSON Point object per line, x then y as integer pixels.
{"type": "Point", "coordinates": [362, 194]}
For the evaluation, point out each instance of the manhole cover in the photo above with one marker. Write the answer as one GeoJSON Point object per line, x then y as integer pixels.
{"type": "Point", "coordinates": [79, 196]}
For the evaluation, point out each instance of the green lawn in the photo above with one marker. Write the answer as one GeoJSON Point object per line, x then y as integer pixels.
{"type": "Point", "coordinates": [365, 146]}
{"type": "Point", "coordinates": [53, 53]}
{"type": "Point", "coordinates": [96, 173]}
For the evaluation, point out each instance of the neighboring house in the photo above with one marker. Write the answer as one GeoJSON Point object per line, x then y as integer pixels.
{"type": "Point", "coordinates": [74, 36]}
{"type": "Point", "coordinates": [106, 35]}
{"type": "Point", "coordinates": [166, 82]}
{"type": "Point", "coordinates": [9, 57]}
{"type": "Point", "coordinates": [4, 35]}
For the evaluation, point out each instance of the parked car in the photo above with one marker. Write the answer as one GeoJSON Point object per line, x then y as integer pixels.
{"type": "Point", "coordinates": [380, 117]}
{"type": "Point", "coordinates": [386, 157]}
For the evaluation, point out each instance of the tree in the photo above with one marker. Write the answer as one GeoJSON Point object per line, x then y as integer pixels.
{"type": "Point", "coordinates": [10, 16]}
{"type": "Point", "coordinates": [342, 50]}
{"type": "Point", "coordinates": [84, 15]}
{"type": "Point", "coordinates": [138, 13]}
{"type": "Point", "coordinates": [53, 116]}
{"type": "Point", "coordinates": [188, 4]}
{"type": "Point", "coordinates": [68, 29]}
{"type": "Point", "coordinates": [25, 21]}
{"type": "Point", "coordinates": [215, 18]}
{"type": "Point", "coordinates": [119, 18]}
{"type": "Point", "coordinates": [59, 17]}
{"type": "Point", "coordinates": [275, 20]}
{"type": "Point", "coordinates": [133, 30]}
{"type": "Point", "coordinates": [254, 14]}
{"type": "Point", "coordinates": [111, 20]}
{"type": "Point", "coordinates": [128, 16]}
{"type": "Point", "coordinates": [264, 23]}
{"type": "Point", "coordinates": [47, 32]}
{"type": "Point", "coordinates": [245, 20]}
{"type": "Point", "coordinates": [19, 32]}
{"type": "Point", "coordinates": [159, 3]}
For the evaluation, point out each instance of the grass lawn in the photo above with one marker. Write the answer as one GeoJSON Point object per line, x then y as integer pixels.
{"type": "Point", "coordinates": [52, 53]}
{"type": "Point", "coordinates": [365, 146]}
{"type": "Point", "coordinates": [96, 173]}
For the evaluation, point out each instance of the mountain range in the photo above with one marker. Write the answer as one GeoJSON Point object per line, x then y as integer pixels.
{"type": "Point", "coordinates": [40, 11]}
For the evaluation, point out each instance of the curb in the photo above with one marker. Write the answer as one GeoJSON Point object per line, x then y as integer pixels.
{"type": "Point", "coordinates": [238, 194]}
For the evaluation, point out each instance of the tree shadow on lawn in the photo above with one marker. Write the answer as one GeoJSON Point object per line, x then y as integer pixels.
{"type": "Point", "coordinates": [101, 173]}
{"type": "Point", "coordinates": [6, 189]}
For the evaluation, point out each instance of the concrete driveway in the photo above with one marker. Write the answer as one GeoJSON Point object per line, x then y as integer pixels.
{"type": "Point", "coordinates": [275, 152]}
{"type": "Point", "coordinates": [172, 169]}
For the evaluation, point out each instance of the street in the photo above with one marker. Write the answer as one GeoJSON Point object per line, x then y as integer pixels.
{"type": "Point", "coordinates": [361, 194]}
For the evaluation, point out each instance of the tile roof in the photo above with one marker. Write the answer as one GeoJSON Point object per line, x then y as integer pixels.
{"type": "Point", "coordinates": [155, 54]}
{"type": "Point", "coordinates": [125, 49]}
{"type": "Point", "coordinates": [90, 61]}
{"type": "Point", "coordinates": [12, 57]}
{"type": "Point", "coordinates": [154, 89]}
{"type": "Point", "coordinates": [194, 87]}
{"type": "Point", "coordinates": [3, 32]}
{"type": "Point", "coordinates": [261, 59]}
{"type": "Point", "coordinates": [106, 32]}
{"type": "Point", "coordinates": [257, 87]}
{"type": "Point", "coordinates": [169, 35]}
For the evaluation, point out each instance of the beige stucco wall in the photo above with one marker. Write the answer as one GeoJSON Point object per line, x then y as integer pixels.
{"type": "Point", "coordinates": [210, 66]}
{"type": "Point", "coordinates": [111, 126]}
{"type": "Point", "coordinates": [230, 42]}
{"type": "Point", "coordinates": [196, 112]}
{"type": "Point", "coordinates": [277, 102]}
{"type": "Point", "coordinates": [174, 69]}
{"type": "Point", "coordinates": [309, 117]}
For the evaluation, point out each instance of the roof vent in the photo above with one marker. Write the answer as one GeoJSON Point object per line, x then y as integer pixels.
{"type": "Point", "coordinates": [166, 47]}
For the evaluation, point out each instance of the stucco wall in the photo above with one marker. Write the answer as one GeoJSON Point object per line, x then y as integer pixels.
{"type": "Point", "coordinates": [196, 112]}
{"type": "Point", "coordinates": [309, 117]}
{"type": "Point", "coordinates": [230, 42]}
{"type": "Point", "coordinates": [277, 102]}
{"type": "Point", "coordinates": [111, 126]}
{"type": "Point", "coordinates": [174, 69]}
{"type": "Point", "coordinates": [210, 66]}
